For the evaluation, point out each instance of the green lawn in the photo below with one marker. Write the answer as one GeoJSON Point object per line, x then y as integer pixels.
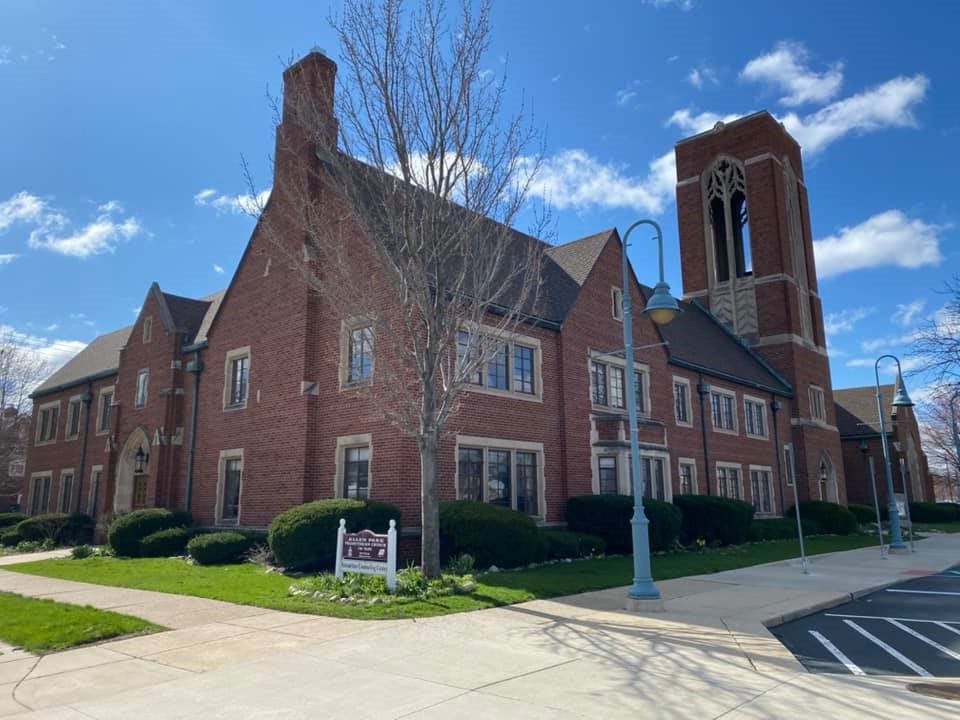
{"type": "Point", "coordinates": [249, 584]}
{"type": "Point", "coordinates": [951, 527]}
{"type": "Point", "coordinates": [41, 625]}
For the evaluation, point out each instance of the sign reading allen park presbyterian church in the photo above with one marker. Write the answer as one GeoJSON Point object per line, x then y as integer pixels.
{"type": "Point", "coordinates": [367, 552]}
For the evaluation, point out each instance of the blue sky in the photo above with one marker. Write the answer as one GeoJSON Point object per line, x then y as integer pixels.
{"type": "Point", "coordinates": [123, 126]}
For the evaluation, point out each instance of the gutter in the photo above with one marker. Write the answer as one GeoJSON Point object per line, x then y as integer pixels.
{"type": "Point", "coordinates": [727, 376]}
{"type": "Point", "coordinates": [703, 390]}
{"type": "Point", "coordinates": [73, 383]}
{"type": "Point", "coordinates": [195, 366]}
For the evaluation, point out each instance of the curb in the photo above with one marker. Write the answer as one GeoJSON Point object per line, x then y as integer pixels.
{"type": "Point", "coordinates": [827, 604]}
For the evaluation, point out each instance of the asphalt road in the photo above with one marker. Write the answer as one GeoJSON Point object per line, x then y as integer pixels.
{"type": "Point", "coordinates": [912, 628]}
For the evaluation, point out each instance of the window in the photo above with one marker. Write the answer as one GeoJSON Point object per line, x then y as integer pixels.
{"type": "Point", "coordinates": [95, 475]}
{"type": "Point", "coordinates": [728, 481]}
{"type": "Point", "coordinates": [616, 387]}
{"type": "Point", "coordinates": [140, 399]}
{"type": "Point", "coordinates": [147, 329]}
{"type": "Point", "coordinates": [608, 386]}
{"type": "Point", "coordinates": [761, 490]}
{"type": "Point", "coordinates": [598, 383]}
{"type": "Point", "coordinates": [616, 303]}
{"type": "Point", "coordinates": [722, 409]}
{"type": "Point", "coordinates": [490, 470]}
{"type": "Point", "coordinates": [725, 194]}
{"type": "Point", "coordinates": [512, 367]}
{"type": "Point", "coordinates": [640, 390]}
{"type": "Point", "coordinates": [688, 475]}
{"type": "Point", "coordinates": [653, 475]}
{"type": "Point", "coordinates": [66, 491]}
{"type": "Point", "coordinates": [356, 469]}
{"type": "Point", "coordinates": [681, 401]}
{"type": "Point", "coordinates": [608, 475]}
{"type": "Point", "coordinates": [466, 354]}
{"type": "Point", "coordinates": [497, 368]}
{"type": "Point", "coordinates": [238, 377]}
{"type": "Point", "coordinates": [17, 468]}
{"type": "Point", "coordinates": [360, 355]}
{"type": "Point", "coordinates": [230, 495]}
{"type": "Point", "coordinates": [523, 369]}
{"type": "Point", "coordinates": [754, 417]}
{"type": "Point", "coordinates": [47, 422]}
{"type": "Point", "coordinates": [816, 404]}
{"type": "Point", "coordinates": [40, 494]}
{"type": "Point", "coordinates": [788, 460]}
{"type": "Point", "coordinates": [103, 410]}
{"type": "Point", "coordinates": [73, 419]}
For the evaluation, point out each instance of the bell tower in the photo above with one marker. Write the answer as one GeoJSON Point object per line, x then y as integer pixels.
{"type": "Point", "coordinates": [747, 254]}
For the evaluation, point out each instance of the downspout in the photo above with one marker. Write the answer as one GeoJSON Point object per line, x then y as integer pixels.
{"type": "Point", "coordinates": [774, 409]}
{"type": "Point", "coordinates": [196, 367]}
{"type": "Point", "coordinates": [702, 390]}
{"type": "Point", "coordinates": [87, 400]}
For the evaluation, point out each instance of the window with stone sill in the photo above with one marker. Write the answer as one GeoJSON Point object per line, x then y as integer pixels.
{"type": "Point", "coordinates": [47, 423]}
{"type": "Point", "coordinates": [500, 476]}
{"type": "Point", "coordinates": [608, 386]}
{"type": "Point", "coordinates": [728, 481]}
{"type": "Point", "coordinates": [360, 354]}
{"type": "Point", "coordinates": [681, 402]}
{"type": "Point", "coordinates": [140, 398]}
{"type": "Point", "coordinates": [761, 490]}
{"type": "Point", "coordinates": [688, 473]}
{"type": "Point", "coordinates": [817, 404]}
{"type": "Point", "coordinates": [754, 418]}
{"type": "Point", "coordinates": [104, 410]}
{"type": "Point", "coordinates": [512, 368]}
{"type": "Point", "coordinates": [723, 411]}
{"type": "Point", "coordinates": [73, 418]}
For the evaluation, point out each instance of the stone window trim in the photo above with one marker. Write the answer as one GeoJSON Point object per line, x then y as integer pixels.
{"type": "Point", "coordinates": [612, 360]}
{"type": "Point", "coordinates": [692, 464]}
{"type": "Point", "coordinates": [735, 430]}
{"type": "Point", "coordinates": [140, 397]}
{"type": "Point", "coordinates": [762, 404]}
{"type": "Point", "coordinates": [622, 456]}
{"type": "Point", "coordinates": [111, 389]}
{"type": "Point", "coordinates": [730, 466]}
{"type": "Point", "coordinates": [664, 457]}
{"type": "Point", "coordinates": [48, 406]}
{"type": "Point", "coordinates": [66, 472]}
{"type": "Point", "coordinates": [225, 455]}
{"type": "Point", "coordinates": [818, 408]}
{"type": "Point", "coordinates": [34, 477]}
{"type": "Point", "coordinates": [773, 500]}
{"type": "Point", "coordinates": [343, 443]}
{"type": "Point", "coordinates": [616, 303]}
{"type": "Point", "coordinates": [347, 326]}
{"type": "Point", "coordinates": [96, 481]}
{"type": "Point", "coordinates": [74, 401]}
{"type": "Point", "coordinates": [513, 447]}
{"type": "Point", "coordinates": [147, 329]}
{"type": "Point", "coordinates": [231, 355]}
{"type": "Point", "coordinates": [511, 339]}
{"type": "Point", "coordinates": [677, 380]}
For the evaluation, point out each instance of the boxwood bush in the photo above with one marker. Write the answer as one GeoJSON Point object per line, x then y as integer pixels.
{"type": "Point", "coordinates": [863, 513]}
{"type": "Point", "coordinates": [9, 519]}
{"type": "Point", "coordinates": [492, 534]}
{"type": "Point", "coordinates": [714, 519]}
{"type": "Point", "coordinates": [166, 543]}
{"type": "Point", "coordinates": [608, 516]}
{"type": "Point", "coordinates": [928, 512]}
{"type": "Point", "coordinates": [834, 519]}
{"type": "Point", "coordinates": [305, 536]}
{"type": "Point", "coordinates": [129, 529]}
{"type": "Point", "coordinates": [562, 544]}
{"type": "Point", "coordinates": [61, 528]}
{"type": "Point", "coordinates": [219, 548]}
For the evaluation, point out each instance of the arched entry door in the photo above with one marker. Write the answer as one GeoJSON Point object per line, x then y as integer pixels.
{"type": "Point", "coordinates": [828, 479]}
{"type": "Point", "coordinates": [132, 476]}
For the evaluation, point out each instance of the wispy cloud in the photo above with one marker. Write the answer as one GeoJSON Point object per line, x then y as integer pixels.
{"type": "Point", "coordinates": [844, 321]}
{"type": "Point", "coordinates": [692, 124]}
{"type": "Point", "coordinates": [907, 314]}
{"type": "Point", "coordinates": [54, 351]}
{"type": "Point", "coordinates": [246, 204]}
{"type": "Point", "coordinates": [786, 67]}
{"type": "Point", "coordinates": [217, 269]}
{"type": "Point", "coordinates": [698, 76]}
{"type": "Point", "coordinates": [685, 5]}
{"type": "Point", "coordinates": [888, 238]}
{"type": "Point", "coordinates": [7, 258]}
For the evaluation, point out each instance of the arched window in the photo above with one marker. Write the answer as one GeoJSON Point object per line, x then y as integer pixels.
{"type": "Point", "coordinates": [729, 220]}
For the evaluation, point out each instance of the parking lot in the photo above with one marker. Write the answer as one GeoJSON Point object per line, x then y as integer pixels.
{"type": "Point", "coordinates": [912, 628]}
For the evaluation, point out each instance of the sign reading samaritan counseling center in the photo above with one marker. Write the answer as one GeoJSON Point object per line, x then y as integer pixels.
{"type": "Point", "coordinates": [368, 553]}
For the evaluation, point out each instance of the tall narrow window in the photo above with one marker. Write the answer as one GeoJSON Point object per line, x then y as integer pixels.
{"type": "Point", "coordinates": [466, 356]}
{"type": "Point", "coordinates": [729, 220]}
{"type": "Point", "coordinates": [527, 483]}
{"type": "Point", "coordinates": [616, 387]}
{"type": "Point", "coordinates": [143, 378]}
{"type": "Point", "coordinates": [728, 482]}
{"type": "Point", "coordinates": [721, 406]}
{"type": "Point", "coordinates": [360, 354]}
{"type": "Point", "coordinates": [741, 234]}
{"type": "Point", "coordinates": [93, 497]}
{"type": "Point", "coordinates": [598, 383]}
{"type": "Point", "coordinates": [761, 491]}
{"type": "Point", "coordinates": [356, 473]}
{"type": "Point", "coordinates": [230, 500]}
{"type": "Point", "coordinates": [616, 303]}
{"type": "Point", "coordinates": [640, 391]}
{"type": "Point", "coordinates": [66, 492]}
{"type": "Point", "coordinates": [681, 402]}
{"type": "Point", "coordinates": [239, 369]}
{"type": "Point", "coordinates": [498, 477]}
{"type": "Point", "coordinates": [523, 369]}
{"type": "Point", "coordinates": [39, 501]}
{"type": "Point", "coordinates": [498, 367]}
{"type": "Point", "coordinates": [687, 471]}
{"type": "Point", "coordinates": [653, 478]}
{"type": "Point", "coordinates": [470, 473]}
{"type": "Point", "coordinates": [754, 418]}
{"type": "Point", "coordinates": [103, 415]}
{"type": "Point", "coordinates": [608, 474]}
{"type": "Point", "coordinates": [817, 404]}
{"type": "Point", "coordinates": [718, 220]}
{"type": "Point", "coordinates": [147, 329]}
{"type": "Point", "coordinates": [73, 418]}
{"type": "Point", "coordinates": [47, 423]}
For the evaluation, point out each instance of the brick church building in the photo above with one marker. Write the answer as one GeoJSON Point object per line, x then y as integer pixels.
{"type": "Point", "coordinates": [235, 405]}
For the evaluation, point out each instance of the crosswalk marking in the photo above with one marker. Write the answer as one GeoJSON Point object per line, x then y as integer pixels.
{"type": "Point", "coordinates": [890, 650]}
{"type": "Point", "coordinates": [923, 638]}
{"type": "Point", "coordinates": [837, 653]}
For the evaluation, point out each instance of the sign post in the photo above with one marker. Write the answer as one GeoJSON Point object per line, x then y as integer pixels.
{"type": "Point", "coordinates": [876, 506]}
{"type": "Point", "coordinates": [368, 553]}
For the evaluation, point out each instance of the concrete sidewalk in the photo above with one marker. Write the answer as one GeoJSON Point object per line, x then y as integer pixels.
{"type": "Point", "coordinates": [708, 655]}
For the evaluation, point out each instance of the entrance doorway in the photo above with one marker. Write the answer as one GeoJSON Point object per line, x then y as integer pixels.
{"type": "Point", "coordinates": [133, 473]}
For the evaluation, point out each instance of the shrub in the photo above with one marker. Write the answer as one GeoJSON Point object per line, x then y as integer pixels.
{"type": "Point", "coordinates": [305, 536]}
{"type": "Point", "coordinates": [166, 543]}
{"type": "Point", "coordinates": [784, 528]}
{"type": "Point", "coordinates": [492, 534]}
{"type": "Point", "coordinates": [81, 551]}
{"type": "Point", "coordinates": [863, 513]}
{"type": "Point", "coordinates": [833, 518]}
{"type": "Point", "coordinates": [59, 528]}
{"type": "Point", "coordinates": [218, 548]}
{"type": "Point", "coordinates": [10, 537]}
{"type": "Point", "coordinates": [928, 512]}
{"type": "Point", "coordinates": [461, 564]}
{"type": "Point", "coordinates": [608, 517]}
{"type": "Point", "coordinates": [9, 519]}
{"type": "Point", "coordinates": [127, 530]}
{"type": "Point", "coordinates": [713, 519]}
{"type": "Point", "coordinates": [562, 544]}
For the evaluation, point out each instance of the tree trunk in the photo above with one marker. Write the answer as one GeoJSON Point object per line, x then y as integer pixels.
{"type": "Point", "coordinates": [429, 508]}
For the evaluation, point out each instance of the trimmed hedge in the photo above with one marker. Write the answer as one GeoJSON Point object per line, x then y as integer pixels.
{"type": "Point", "coordinates": [128, 530]}
{"type": "Point", "coordinates": [9, 519]}
{"type": "Point", "coordinates": [492, 534]}
{"type": "Point", "coordinates": [834, 519]}
{"type": "Point", "coordinates": [219, 548]}
{"type": "Point", "coordinates": [61, 528]}
{"type": "Point", "coordinates": [608, 517]}
{"type": "Point", "coordinates": [10, 537]}
{"type": "Point", "coordinates": [928, 512]}
{"type": "Point", "coordinates": [714, 519]}
{"type": "Point", "coordinates": [784, 528]}
{"type": "Point", "coordinates": [166, 543]}
{"type": "Point", "coordinates": [863, 513]}
{"type": "Point", "coordinates": [305, 536]}
{"type": "Point", "coordinates": [563, 544]}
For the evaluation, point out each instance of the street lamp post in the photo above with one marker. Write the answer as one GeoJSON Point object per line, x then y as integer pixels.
{"type": "Point", "coordinates": [900, 399]}
{"type": "Point", "coordinates": [661, 307]}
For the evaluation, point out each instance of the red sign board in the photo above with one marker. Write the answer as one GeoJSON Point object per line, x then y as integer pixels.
{"type": "Point", "coordinates": [365, 545]}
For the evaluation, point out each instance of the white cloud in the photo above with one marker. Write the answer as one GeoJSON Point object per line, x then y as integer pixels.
{"type": "Point", "coordinates": [26, 208]}
{"type": "Point", "coordinates": [51, 328]}
{"type": "Point", "coordinates": [7, 258]}
{"type": "Point", "coordinates": [907, 314]}
{"type": "Point", "coordinates": [844, 321]}
{"type": "Point", "coordinates": [673, 58]}
{"type": "Point", "coordinates": [53, 351]}
{"type": "Point", "coordinates": [555, 78]}
{"type": "Point", "coordinates": [625, 96]}
{"type": "Point", "coordinates": [575, 179]}
{"type": "Point", "coordinates": [698, 76]}
{"type": "Point", "coordinates": [110, 207]}
{"type": "Point", "coordinates": [685, 5]}
{"type": "Point", "coordinates": [5, 51]}
{"type": "Point", "coordinates": [236, 204]}
{"type": "Point", "coordinates": [693, 124]}
{"type": "Point", "coordinates": [887, 238]}
{"type": "Point", "coordinates": [888, 367]}
{"type": "Point", "coordinates": [217, 269]}
{"type": "Point", "coordinates": [786, 68]}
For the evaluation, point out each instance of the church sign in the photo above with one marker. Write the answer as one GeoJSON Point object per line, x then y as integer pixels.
{"type": "Point", "coordinates": [368, 553]}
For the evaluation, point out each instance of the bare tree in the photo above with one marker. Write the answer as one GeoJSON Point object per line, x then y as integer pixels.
{"type": "Point", "coordinates": [937, 344]}
{"type": "Point", "coordinates": [407, 224]}
{"type": "Point", "coordinates": [938, 436]}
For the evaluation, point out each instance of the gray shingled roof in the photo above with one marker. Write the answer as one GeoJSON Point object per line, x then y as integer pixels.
{"type": "Point", "coordinates": [857, 409]}
{"type": "Point", "coordinates": [578, 257]}
{"type": "Point", "coordinates": [100, 357]}
{"type": "Point", "coordinates": [188, 314]}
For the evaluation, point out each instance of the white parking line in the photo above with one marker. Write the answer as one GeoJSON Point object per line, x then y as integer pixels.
{"type": "Point", "coordinates": [891, 651]}
{"type": "Point", "coordinates": [923, 592]}
{"type": "Point", "coordinates": [837, 653]}
{"type": "Point", "coordinates": [945, 626]}
{"type": "Point", "coordinates": [901, 619]}
{"type": "Point", "coordinates": [923, 638]}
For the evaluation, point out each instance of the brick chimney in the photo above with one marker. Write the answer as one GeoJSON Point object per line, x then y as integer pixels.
{"type": "Point", "coordinates": [308, 87]}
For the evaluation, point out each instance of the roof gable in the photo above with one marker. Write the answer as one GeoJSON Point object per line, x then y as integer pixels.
{"type": "Point", "coordinates": [101, 357]}
{"type": "Point", "coordinates": [857, 409]}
